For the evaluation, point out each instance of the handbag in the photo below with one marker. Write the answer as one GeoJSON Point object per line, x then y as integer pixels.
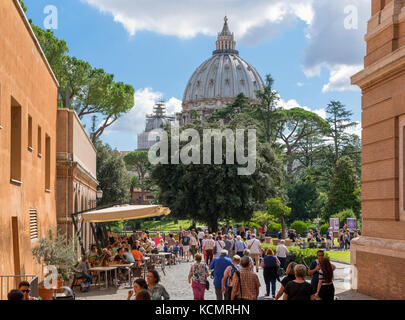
{"type": "Point", "coordinates": [207, 284]}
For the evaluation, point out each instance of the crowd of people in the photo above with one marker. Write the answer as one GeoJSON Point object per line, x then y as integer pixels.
{"type": "Point", "coordinates": [233, 261]}
{"type": "Point", "coordinates": [231, 258]}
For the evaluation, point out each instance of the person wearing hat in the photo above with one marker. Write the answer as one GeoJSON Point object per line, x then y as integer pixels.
{"type": "Point", "coordinates": [219, 265]}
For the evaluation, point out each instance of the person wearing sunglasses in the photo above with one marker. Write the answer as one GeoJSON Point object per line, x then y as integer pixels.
{"type": "Point", "coordinates": [24, 286]}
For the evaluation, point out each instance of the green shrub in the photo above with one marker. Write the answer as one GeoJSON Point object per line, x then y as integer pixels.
{"type": "Point", "coordinates": [273, 227]}
{"type": "Point", "coordinates": [299, 255]}
{"type": "Point", "coordinates": [300, 226]}
{"type": "Point", "coordinates": [324, 228]}
{"type": "Point", "coordinates": [252, 225]}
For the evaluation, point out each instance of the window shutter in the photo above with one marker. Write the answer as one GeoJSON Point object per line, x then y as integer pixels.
{"type": "Point", "coordinates": [33, 224]}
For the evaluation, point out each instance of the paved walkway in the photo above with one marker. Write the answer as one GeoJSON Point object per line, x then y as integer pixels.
{"type": "Point", "coordinates": [177, 285]}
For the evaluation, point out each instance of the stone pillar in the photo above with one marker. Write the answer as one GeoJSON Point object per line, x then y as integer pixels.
{"type": "Point", "coordinates": [378, 256]}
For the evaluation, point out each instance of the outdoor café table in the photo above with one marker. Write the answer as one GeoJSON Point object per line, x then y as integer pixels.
{"type": "Point", "coordinates": [162, 256]}
{"type": "Point", "coordinates": [105, 269]}
{"type": "Point", "coordinates": [129, 266]}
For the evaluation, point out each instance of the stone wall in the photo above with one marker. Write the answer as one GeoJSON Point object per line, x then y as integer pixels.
{"type": "Point", "coordinates": [26, 81]}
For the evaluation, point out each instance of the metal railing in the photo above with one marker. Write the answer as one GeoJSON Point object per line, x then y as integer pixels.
{"type": "Point", "coordinates": [8, 283]}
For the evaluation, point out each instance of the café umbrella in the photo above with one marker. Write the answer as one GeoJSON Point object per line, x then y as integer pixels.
{"type": "Point", "coordinates": [125, 212]}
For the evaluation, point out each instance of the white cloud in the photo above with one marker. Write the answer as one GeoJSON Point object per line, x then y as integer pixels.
{"type": "Point", "coordinates": [294, 104]}
{"type": "Point", "coordinates": [355, 129]}
{"type": "Point", "coordinates": [331, 45]}
{"type": "Point", "coordinates": [334, 46]}
{"type": "Point", "coordinates": [134, 121]}
{"type": "Point", "coordinates": [339, 79]}
{"type": "Point", "coordinates": [186, 19]}
{"type": "Point", "coordinates": [300, 84]}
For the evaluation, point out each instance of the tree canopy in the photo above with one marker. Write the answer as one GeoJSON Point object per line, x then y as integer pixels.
{"type": "Point", "coordinates": [87, 90]}
{"type": "Point", "coordinates": [208, 193]}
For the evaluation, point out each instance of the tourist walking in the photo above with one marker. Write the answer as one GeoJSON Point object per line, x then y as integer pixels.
{"type": "Point", "coordinates": [281, 253]}
{"type": "Point", "coordinates": [228, 245]}
{"type": "Point", "coordinates": [227, 279]}
{"type": "Point", "coordinates": [329, 238]}
{"type": "Point", "coordinates": [219, 246]}
{"type": "Point", "coordinates": [326, 289]}
{"type": "Point", "coordinates": [245, 283]}
{"type": "Point", "coordinates": [270, 266]}
{"type": "Point", "coordinates": [194, 242]}
{"type": "Point", "coordinates": [208, 247]}
{"type": "Point", "coordinates": [156, 290]}
{"type": "Point", "coordinates": [200, 236]}
{"type": "Point", "coordinates": [314, 270]}
{"type": "Point", "coordinates": [290, 276]}
{"type": "Point", "coordinates": [299, 289]}
{"type": "Point", "coordinates": [198, 277]}
{"type": "Point", "coordinates": [346, 239]}
{"type": "Point", "coordinates": [240, 246]}
{"type": "Point", "coordinates": [219, 265]}
{"type": "Point", "coordinates": [185, 241]}
{"type": "Point", "coordinates": [255, 250]}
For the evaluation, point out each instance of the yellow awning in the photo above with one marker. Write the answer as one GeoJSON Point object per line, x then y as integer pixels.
{"type": "Point", "coordinates": [125, 212]}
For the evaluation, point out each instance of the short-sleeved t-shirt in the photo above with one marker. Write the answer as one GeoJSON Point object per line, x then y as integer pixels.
{"type": "Point", "coordinates": [298, 291]}
{"type": "Point", "coordinates": [286, 280]}
{"type": "Point", "coordinates": [186, 241]}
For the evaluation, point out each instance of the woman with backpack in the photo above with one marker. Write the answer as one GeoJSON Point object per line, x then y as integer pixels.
{"type": "Point", "coordinates": [270, 265]}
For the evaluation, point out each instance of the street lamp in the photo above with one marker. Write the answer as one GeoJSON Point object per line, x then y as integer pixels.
{"type": "Point", "coordinates": [99, 194]}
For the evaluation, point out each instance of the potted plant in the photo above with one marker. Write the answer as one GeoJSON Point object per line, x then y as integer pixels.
{"type": "Point", "coordinates": [58, 252]}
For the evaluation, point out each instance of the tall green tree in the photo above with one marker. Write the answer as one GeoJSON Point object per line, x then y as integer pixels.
{"type": "Point", "coordinates": [277, 208]}
{"type": "Point", "coordinates": [138, 162]}
{"type": "Point", "coordinates": [295, 125]}
{"type": "Point", "coordinates": [339, 119]}
{"type": "Point", "coordinates": [209, 193]}
{"type": "Point", "coordinates": [264, 111]}
{"type": "Point", "coordinates": [344, 189]}
{"type": "Point", "coordinates": [240, 105]}
{"type": "Point", "coordinates": [112, 175]}
{"type": "Point", "coordinates": [90, 91]}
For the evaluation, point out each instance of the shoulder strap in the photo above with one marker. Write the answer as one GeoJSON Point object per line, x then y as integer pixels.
{"type": "Point", "coordinates": [240, 283]}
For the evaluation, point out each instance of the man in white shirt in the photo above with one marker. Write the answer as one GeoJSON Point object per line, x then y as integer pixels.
{"type": "Point", "coordinates": [281, 253]}
{"type": "Point", "coordinates": [255, 250]}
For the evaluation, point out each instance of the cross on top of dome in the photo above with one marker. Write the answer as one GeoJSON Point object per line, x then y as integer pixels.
{"type": "Point", "coordinates": [226, 42]}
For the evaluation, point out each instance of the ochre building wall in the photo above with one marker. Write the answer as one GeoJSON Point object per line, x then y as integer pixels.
{"type": "Point", "coordinates": [379, 254]}
{"type": "Point", "coordinates": [26, 77]}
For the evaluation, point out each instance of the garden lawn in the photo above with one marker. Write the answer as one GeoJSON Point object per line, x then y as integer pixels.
{"type": "Point", "coordinates": [341, 256]}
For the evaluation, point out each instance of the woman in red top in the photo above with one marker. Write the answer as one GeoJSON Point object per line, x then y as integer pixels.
{"type": "Point", "coordinates": [157, 239]}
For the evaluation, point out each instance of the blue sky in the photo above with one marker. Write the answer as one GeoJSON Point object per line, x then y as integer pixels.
{"type": "Point", "coordinates": [308, 52]}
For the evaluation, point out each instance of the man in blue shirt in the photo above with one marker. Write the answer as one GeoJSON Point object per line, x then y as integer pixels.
{"type": "Point", "coordinates": [239, 246]}
{"type": "Point", "coordinates": [219, 265]}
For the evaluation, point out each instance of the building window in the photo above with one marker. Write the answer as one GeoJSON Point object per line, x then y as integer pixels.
{"type": "Point", "coordinates": [39, 142]}
{"type": "Point", "coordinates": [15, 149]}
{"type": "Point", "coordinates": [30, 133]}
{"type": "Point", "coordinates": [382, 4]}
{"type": "Point", "coordinates": [47, 163]}
{"type": "Point", "coordinates": [34, 224]}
